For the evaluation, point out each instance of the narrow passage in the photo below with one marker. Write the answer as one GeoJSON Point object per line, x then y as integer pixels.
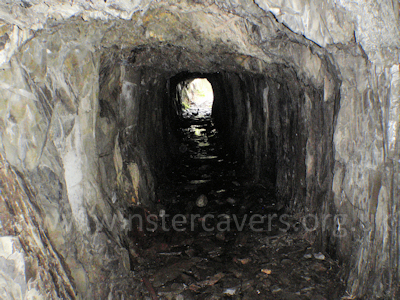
{"type": "Point", "coordinates": [220, 236]}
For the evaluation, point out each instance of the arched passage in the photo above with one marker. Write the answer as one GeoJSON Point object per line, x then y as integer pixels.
{"type": "Point", "coordinates": [305, 111]}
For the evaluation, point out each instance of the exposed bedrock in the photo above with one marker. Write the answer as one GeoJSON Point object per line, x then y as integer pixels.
{"type": "Point", "coordinates": [307, 96]}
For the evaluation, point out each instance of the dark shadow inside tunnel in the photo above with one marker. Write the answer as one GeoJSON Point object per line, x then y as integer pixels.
{"type": "Point", "coordinates": [275, 135]}
{"type": "Point", "coordinates": [275, 129]}
{"type": "Point", "coordinates": [240, 114]}
{"type": "Point", "coordinates": [265, 149]}
{"type": "Point", "coordinates": [121, 179]}
{"type": "Point", "coordinates": [278, 131]}
{"type": "Point", "coordinates": [237, 174]}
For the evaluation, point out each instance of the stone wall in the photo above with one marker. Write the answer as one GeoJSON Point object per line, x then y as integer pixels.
{"type": "Point", "coordinates": [366, 182]}
{"type": "Point", "coordinates": [50, 118]}
{"type": "Point", "coordinates": [281, 130]}
{"type": "Point", "coordinates": [79, 133]}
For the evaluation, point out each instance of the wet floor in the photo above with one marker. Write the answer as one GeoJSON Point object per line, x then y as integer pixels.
{"type": "Point", "coordinates": [217, 235]}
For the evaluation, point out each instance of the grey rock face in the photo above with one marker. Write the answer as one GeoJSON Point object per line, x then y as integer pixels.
{"type": "Point", "coordinates": [86, 123]}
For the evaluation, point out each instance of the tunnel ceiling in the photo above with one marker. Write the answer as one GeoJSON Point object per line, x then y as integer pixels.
{"type": "Point", "coordinates": [80, 81]}
{"type": "Point", "coordinates": [202, 39]}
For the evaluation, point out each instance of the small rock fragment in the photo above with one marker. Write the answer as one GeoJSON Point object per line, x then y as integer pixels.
{"type": "Point", "coordinates": [213, 280]}
{"type": "Point", "coordinates": [161, 213]}
{"type": "Point", "coordinates": [230, 291]}
{"type": "Point", "coordinates": [286, 261]}
{"type": "Point", "coordinates": [308, 255]}
{"type": "Point", "coordinates": [266, 271]}
{"type": "Point", "coordinates": [215, 253]}
{"type": "Point", "coordinates": [275, 289]}
{"type": "Point", "coordinates": [319, 256]}
{"type": "Point", "coordinates": [202, 201]}
{"type": "Point", "coordinates": [231, 201]}
{"type": "Point", "coordinates": [243, 261]}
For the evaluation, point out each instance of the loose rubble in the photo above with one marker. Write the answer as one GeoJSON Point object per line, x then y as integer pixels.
{"type": "Point", "coordinates": [205, 260]}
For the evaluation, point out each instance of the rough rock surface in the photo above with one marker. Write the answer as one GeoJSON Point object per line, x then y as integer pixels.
{"type": "Point", "coordinates": [86, 125]}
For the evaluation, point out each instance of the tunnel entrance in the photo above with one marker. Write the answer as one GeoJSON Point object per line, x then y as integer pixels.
{"type": "Point", "coordinates": [219, 235]}
{"type": "Point", "coordinates": [96, 153]}
{"type": "Point", "coordinates": [221, 227]}
{"type": "Point", "coordinates": [196, 97]}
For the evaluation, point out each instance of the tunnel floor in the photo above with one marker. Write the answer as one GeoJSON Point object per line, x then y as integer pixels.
{"type": "Point", "coordinates": [218, 253]}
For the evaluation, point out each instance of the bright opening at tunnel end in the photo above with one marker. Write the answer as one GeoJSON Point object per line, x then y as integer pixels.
{"type": "Point", "coordinates": [197, 97]}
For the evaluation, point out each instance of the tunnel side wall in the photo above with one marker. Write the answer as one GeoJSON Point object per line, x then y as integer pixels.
{"type": "Point", "coordinates": [49, 88]}
{"type": "Point", "coordinates": [242, 118]}
{"type": "Point", "coordinates": [281, 130]}
{"type": "Point", "coordinates": [366, 177]}
{"type": "Point", "coordinates": [147, 136]}
{"type": "Point", "coordinates": [57, 153]}
{"type": "Point", "coordinates": [89, 137]}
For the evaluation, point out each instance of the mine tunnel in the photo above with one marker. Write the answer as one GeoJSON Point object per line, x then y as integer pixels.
{"type": "Point", "coordinates": [193, 182]}
{"type": "Point", "coordinates": [199, 150]}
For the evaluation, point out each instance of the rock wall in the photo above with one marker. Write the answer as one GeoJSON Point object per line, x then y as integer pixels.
{"type": "Point", "coordinates": [281, 130]}
{"type": "Point", "coordinates": [240, 119]}
{"type": "Point", "coordinates": [366, 182]}
{"type": "Point", "coordinates": [49, 138]}
{"type": "Point", "coordinates": [82, 141]}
